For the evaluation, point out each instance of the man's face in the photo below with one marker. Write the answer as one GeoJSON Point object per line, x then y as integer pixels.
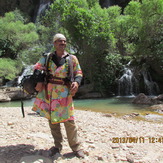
{"type": "Point", "coordinates": [60, 44]}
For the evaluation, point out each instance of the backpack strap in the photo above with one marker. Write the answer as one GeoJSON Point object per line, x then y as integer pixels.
{"type": "Point", "coordinates": [47, 59]}
{"type": "Point", "coordinates": [46, 64]}
{"type": "Point", "coordinates": [70, 68]}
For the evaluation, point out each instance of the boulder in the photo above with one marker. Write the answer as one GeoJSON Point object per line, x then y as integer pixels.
{"type": "Point", "coordinates": [4, 97]}
{"type": "Point", "coordinates": [160, 97]}
{"type": "Point", "coordinates": [86, 91]}
{"type": "Point", "coordinates": [13, 93]}
{"type": "Point", "coordinates": [143, 99]}
{"type": "Point", "coordinates": [158, 108]}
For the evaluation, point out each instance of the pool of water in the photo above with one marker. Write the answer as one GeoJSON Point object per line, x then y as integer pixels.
{"type": "Point", "coordinates": [118, 105]}
{"type": "Point", "coordinates": [17, 103]}
{"type": "Point", "coordinates": [111, 105]}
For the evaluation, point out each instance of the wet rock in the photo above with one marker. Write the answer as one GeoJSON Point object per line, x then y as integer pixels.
{"type": "Point", "coordinates": [157, 107]}
{"type": "Point", "coordinates": [160, 97]}
{"type": "Point", "coordinates": [143, 99]}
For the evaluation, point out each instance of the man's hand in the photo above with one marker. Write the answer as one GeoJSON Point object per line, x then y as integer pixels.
{"type": "Point", "coordinates": [74, 88]}
{"type": "Point", "coordinates": [39, 86]}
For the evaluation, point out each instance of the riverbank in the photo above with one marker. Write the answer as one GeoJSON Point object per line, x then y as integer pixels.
{"type": "Point", "coordinates": [104, 138]}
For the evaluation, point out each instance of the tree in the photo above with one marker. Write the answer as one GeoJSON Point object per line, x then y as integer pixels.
{"type": "Point", "coordinates": [17, 39]}
{"type": "Point", "coordinates": [15, 35]}
{"type": "Point", "coordinates": [146, 24]}
{"type": "Point", "coordinates": [88, 30]}
{"type": "Point", "coordinates": [9, 68]}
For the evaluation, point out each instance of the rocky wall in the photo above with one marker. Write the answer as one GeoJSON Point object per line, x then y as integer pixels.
{"type": "Point", "coordinates": [28, 7]}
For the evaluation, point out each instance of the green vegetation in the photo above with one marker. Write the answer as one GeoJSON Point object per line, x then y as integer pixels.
{"type": "Point", "coordinates": [90, 35]}
{"type": "Point", "coordinates": [19, 43]}
{"type": "Point", "coordinates": [146, 28]}
{"type": "Point", "coordinates": [9, 68]}
{"type": "Point", "coordinates": [103, 39]}
{"type": "Point", "coordinates": [16, 35]}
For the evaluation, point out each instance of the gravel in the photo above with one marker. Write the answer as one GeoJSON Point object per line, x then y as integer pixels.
{"type": "Point", "coordinates": [104, 137]}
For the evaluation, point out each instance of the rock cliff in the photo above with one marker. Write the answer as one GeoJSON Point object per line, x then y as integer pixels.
{"type": "Point", "coordinates": [30, 7]}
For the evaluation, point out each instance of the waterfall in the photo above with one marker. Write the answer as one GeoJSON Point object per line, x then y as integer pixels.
{"type": "Point", "coordinates": [131, 83]}
{"type": "Point", "coordinates": [43, 5]}
{"type": "Point", "coordinates": [127, 84]}
{"type": "Point", "coordinates": [27, 71]}
{"type": "Point", "coordinates": [151, 87]}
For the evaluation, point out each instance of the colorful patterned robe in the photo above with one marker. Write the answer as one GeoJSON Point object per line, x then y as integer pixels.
{"type": "Point", "coordinates": [59, 106]}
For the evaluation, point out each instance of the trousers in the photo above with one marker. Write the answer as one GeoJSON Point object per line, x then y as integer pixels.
{"type": "Point", "coordinates": [71, 132]}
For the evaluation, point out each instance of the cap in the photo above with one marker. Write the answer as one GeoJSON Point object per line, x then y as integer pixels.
{"type": "Point", "coordinates": [58, 36]}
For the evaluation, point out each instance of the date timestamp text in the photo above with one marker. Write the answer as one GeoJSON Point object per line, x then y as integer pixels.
{"type": "Point", "coordinates": [137, 140]}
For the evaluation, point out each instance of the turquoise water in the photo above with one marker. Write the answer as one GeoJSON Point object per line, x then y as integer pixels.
{"type": "Point", "coordinates": [17, 103]}
{"type": "Point", "coordinates": [111, 105]}
{"type": "Point", "coordinates": [119, 105]}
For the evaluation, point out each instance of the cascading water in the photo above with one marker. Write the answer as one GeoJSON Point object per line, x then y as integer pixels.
{"type": "Point", "coordinates": [44, 4]}
{"type": "Point", "coordinates": [27, 71]}
{"type": "Point", "coordinates": [151, 87]}
{"type": "Point", "coordinates": [127, 84]}
{"type": "Point", "coordinates": [130, 84]}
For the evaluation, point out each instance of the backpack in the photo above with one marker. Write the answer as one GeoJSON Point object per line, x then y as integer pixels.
{"type": "Point", "coordinates": [29, 82]}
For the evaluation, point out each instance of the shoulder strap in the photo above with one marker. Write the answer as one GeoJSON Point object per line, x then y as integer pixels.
{"type": "Point", "coordinates": [47, 60]}
{"type": "Point", "coordinates": [70, 68]}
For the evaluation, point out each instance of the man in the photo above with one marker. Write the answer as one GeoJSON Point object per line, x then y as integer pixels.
{"type": "Point", "coordinates": [54, 100]}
